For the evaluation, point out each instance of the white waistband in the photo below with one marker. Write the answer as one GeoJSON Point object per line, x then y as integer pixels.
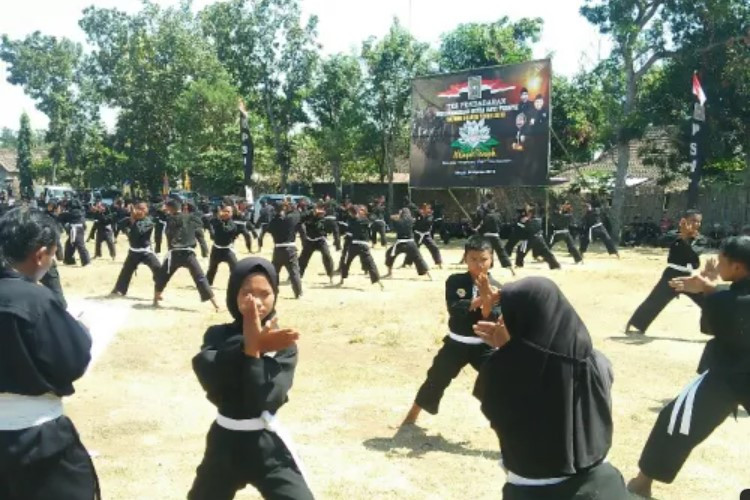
{"type": "Point", "coordinates": [360, 242]}
{"type": "Point", "coordinates": [330, 217]}
{"type": "Point", "coordinates": [398, 242]}
{"type": "Point", "coordinates": [422, 232]}
{"type": "Point", "coordinates": [141, 250]}
{"type": "Point", "coordinates": [517, 480]}
{"type": "Point", "coordinates": [284, 245]}
{"type": "Point", "coordinates": [348, 234]}
{"type": "Point", "coordinates": [685, 400]}
{"type": "Point", "coordinates": [319, 238]}
{"type": "Point", "coordinates": [22, 412]}
{"type": "Point", "coordinates": [496, 235]}
{"type": "Point", "coordinates": [677, 267]}
{"type": "Point", "coordinates": [463, 339]}
{"type": "Point", "coordinates": [379, 220]}
{"type": "Point", "coordinates": [560, 231]}
{"type": "Point", "coordinates": [598, 224]}
{"type": "Point", "coordinates": [221, 247]}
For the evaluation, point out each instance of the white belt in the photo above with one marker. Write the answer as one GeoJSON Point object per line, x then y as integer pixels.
{"type": "Point", "coordinates": [517, 480]}
{"type": "Point", "coordinates": [463, 339]}
{"type": "Point", "coordinates": [319, 238]}
{"type": "Point", "coordinates": [591, 231]}
{"type": "Point", "coordinates": [360, 242]}
{"type": "Point", "coordinates": [74, 231]}
{"type": "Point", "coordinates": [19, 412]}
{"type": "Point", "coordinates": [496, 235]}
{"type": "Point", "coordinates": [524, 245]}
{"type": "Point", "coordinates": [222, 247]}
{"type": "Point", "coordinates": [379, 220]}
{"type": "Point", "coordinates": [285, 245]}
{"type": "Point", "coordinates": [555, 233]}
{"type": "Point", "coordinates": [266, 422]}
{"type": "Point", "coordinates": [422, 235]}
{"type": "Point", "coordinates": [141, 250]}
{"type": "Point", "coordinates": [330, 217]}
{"type": "Point", "coordinates": [348, 234]}
{"type": "Point", "coordinates": [677, 267]}
{"type": "Point", "coordinates": [169, 255]}
{"type": "Point", "coordinates": [685, 400]}
{"type": "Point", "coordinates": [398, 242]}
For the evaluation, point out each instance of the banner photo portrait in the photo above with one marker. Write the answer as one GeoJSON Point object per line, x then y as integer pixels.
{"type": "Point", "coordinates": [482, 128]}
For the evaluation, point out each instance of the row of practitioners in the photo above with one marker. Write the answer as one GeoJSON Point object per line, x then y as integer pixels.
{"type": "Point", "coordinates": [554, 421]}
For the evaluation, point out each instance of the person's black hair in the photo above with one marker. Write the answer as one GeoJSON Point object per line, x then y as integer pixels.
{"type": "Point", "coordinates": [478, 243]}
{"type": "Point", "coordinates": [24, 231]}
{"type": "Point", "coordinates": [539, 96]}
{"type": "Point", "coordinates": [405, 213]}
{"type": "Point", "coordinates": [227, 202]}
{"type": "Point", "coordinates": [138, 201]}
{"type": "Point", "coordinates": [524, 89]}
{"type": "Point", "coordinates": [490, 206]}
{"type": "Point", "coordinates": [691, 213]}
{"type": "Point", "coordinates": [737, 249]}
{"type": "Point", "coordinates": [174, 204]}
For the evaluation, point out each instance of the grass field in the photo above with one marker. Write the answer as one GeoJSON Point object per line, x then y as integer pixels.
{"type": "Point", "coordinates": [363, 354]}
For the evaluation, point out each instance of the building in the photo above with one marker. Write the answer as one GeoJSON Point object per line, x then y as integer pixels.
{"type": "Point", "coordinates": [8, 170]}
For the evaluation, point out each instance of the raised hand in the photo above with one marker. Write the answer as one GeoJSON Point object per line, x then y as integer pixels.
{"type": "Point", "coordinates": [493, 333]}
{"type": "Point", "coordinates": [692, 284]}
{"type": "Point", "coordinates": [711, 269]}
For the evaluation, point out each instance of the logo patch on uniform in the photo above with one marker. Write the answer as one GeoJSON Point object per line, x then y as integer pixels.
{"type": "Point", "coordinates": [461, 292]}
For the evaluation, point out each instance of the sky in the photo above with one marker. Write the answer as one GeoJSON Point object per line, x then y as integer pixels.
{"type": "Point", "coordinates": [343, 24]}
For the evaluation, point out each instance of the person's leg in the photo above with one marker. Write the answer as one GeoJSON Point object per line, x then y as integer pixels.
{"type": "Point", "coordinates": [368, 263]}
{"type": "Point", "coordinates": [538, 244]}
{"type": "Point", "coordinates": [350, 254]}
{"type": "Point", "coordinates": [83, 252]}
{"type": "Point", "coordinates": [448, 362]}
{"type": "Point", "coordinates": [216, 476]}
{"type": "Point", "coordinates": [521, 250]}
{"type": "Point", "coordinates": [661, 295]}
{"type": "Point", "coordinates": [69, 256]}
{"type": "Point", "coordinates": [502, 255]}
{"type": "Point", "coordinates": [414, 255]}
{"type": "Point", "coordinates": [383, 238]}
{"type": "Point", "coordinates": [109, 238]}
{"type": "Point", "coordinates": [284, 483]}
{"type": "Point", "coordinates": [201, 239]}
{"type": "Point", "coordinates": [126, 273]}
{"type": "Point", "coordinates": [572, 250]}
{"type": "Point", "coordinates": [327, 259]}
{"type": "Point", "coordinates": [294, 273]}
{"type": "Point", "coordinates": [213, 265]}
{"type": "Point", "coordinates": [98, 239]}
{"type": "Point", "coordinates": [584, 242]}
{"type": "Point", "coordinates": [601, 233]}
{"type": "Point", "coordinates": [304, 258]}
{"type": "Point", "coordinates": [434, 250]}
{"type": "Point", "coordinates": [52, 281]}
{"type": "Point", "coordinates": [201, 283]}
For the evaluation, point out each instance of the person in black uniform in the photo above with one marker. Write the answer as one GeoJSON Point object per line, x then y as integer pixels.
{"type": "Point", "coordinates": [102, 229]}
{"type": "Point", "coordinates": [359, 226]}
{"type": "Point", "coordinates": [52, 279]}
{"type": "Point", "coordinates": [378, 225]}
{"type": "Point", "coordinates": [75, 220]}
{"type": "Point", "coordinates": [247, 368]}
{"type": "Point", "coordinates": [190, 208]}
{"type": "Point", "coordinates": [593, 227]}
{"type": "Point", "coordinates": [683, 259]}
{"type": "Point", "coordinates": [561, 222]}
{"type": "Point", "coordinates": [525, 106]}
{"type": "Point", "coordinates": [403, 224]}
{"type": "Point", "coordinates": [554, 419]}
{"type": "Point", "coordinates": [314, 240]}
{"type": "Point", "coordinates": [332, 226]}
{"type": "Point", "coordinates": [489, 227]}
{"type": "Point", "coordinates": [344, 218]}
{"type": "Point", "coordinates": [470, 297]}
{"type": "Point", "coordinates": [160, 222]}
{"type": "Point", "coordinates": [180, 235]}
{"type": "Point", "coordinates": [283, 229]}
{"type": "Point", "coordinates": [121, 210]}
{"type": "Point", "coordinates": [138, 227]}
{"type": "Point", "coordinates": [533, 239]}
{"type": "Point", "coordinates": [438, 222]}
{"type": "Point", "coordinates": [43, 350]}
{"type": "Point", "coordinates": [724, 368]}
{"type": "Point", "coordinates": [243, 216]}
{"type": "Point", "coordinates": [54, 210]}
{"type": "Point", "coordinates": [267, 213]}
{"type": "Point", "coordinates": [223, 232]}
{"type": "Point", "coordinates": [423, 234]}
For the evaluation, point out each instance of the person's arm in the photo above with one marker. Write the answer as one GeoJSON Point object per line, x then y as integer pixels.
{"type": "Point", "coordinates": [458, 298]}
{"type": "Point", "coordinates": [218, 363]}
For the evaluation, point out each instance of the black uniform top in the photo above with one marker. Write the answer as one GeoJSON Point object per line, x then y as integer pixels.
{"type": "Point", "coordinates": [104, 219]}
{"type": "Point", "coordinates": [459, 291]}
{"type": "Point", "coordinates": [533, 226]}
{"type": "Point", "coordinates": [73, 216]}
{"type": "Point", "coordinates": [561, 222]}
{"type": "Point", "coordinates": [726, 316]}
{"type": "Point", "coordinates": [684, 253]}
{"type": "Point", "coordinates": [592, 218]}
{"type": "Point", "coordinates": [139, 231]}
{"type": "Point", "coordinates": [331, 208]}
{"type": "Point", "coordinates": [360, 228]}
{"type": "Point", "coordinates": [377, 212]}
{"type": "Point", "coordinates": [284, 229]}
{"type": "Point", "coordinates": [314, 226]}
{"type": "Point", "coordinates": [224, 233]}
{"type": "Point", "coordinates": [266, 214]}
{"type": "Point", "coordinates": [437, 211]}
{"type": "Point", "coordinates": [240, 386]}
{"type": "Point", "coordinates": [491, 223]}
{"type": "Point", "coordinates": [181, 229]}
{"type": "Point", "coordinates": [404, 228]}
{"type": "Point", "coordinates": [423, 224]}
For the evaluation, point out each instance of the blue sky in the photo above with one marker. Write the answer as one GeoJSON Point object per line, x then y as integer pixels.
{"type": "Point", "coordinates": [344, 24]}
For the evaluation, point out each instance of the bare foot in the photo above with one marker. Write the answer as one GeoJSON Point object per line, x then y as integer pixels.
{"type": "Point", "coordinates": [429, 275]}
{"type": "Point", "coordinates": [411, 417]}
{"type": "Point", "coordinates": [381, 286]}
{"type": "Point", "coordinates": [641, 485]}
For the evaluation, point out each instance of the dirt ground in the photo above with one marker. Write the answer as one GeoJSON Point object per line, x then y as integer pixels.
{"type": "Point", "coordinates": [363, 354]}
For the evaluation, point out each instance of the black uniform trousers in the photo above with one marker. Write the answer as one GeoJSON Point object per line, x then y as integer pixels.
{"type": "Point", "coordinates": [158, 236]}
{"type": "Point", "coordinates": [52, 281]}
{"type": "Point", "coordinates": [235, 459]}
{"type": "Point", "coordinates": [539, 246]}
{"type": "Point", "coordinates": [219, 255]}
{"type": "Point", "coordinates": [76, 242]}
{"type": "Point", "coordinates": [601, 233]}
{"type": "Point", "coordinates": [502, 255]}
{"type": "Point", "coordinates": [132, 261]}
{"type": "Point", "coordinates": [316, 245]}
{"type": "Point", "coordinates": [184, 258]}
{"type": "Point", "coordinates": [262, 234]}
{"type": "Point", "coordinates": [67, 475]}
{"type": "Point", "coordinates": [200, 237]}
{"type": "Point", "coordinates": [344, 250]}
{"type": "Point", "coordinates": [413, 255]}
{"type": "Point", "coordinates": [438, 227]}
{"type": "Point", "coordinates": [715, 396]}
{"type": "Point", "coordinates": [661, 295]}
{"type": "Point", "coordinates": [564, 235]}
{"type": "Point", "coordinates": [332, 227]}
{"type": "Point", "coordinates": [448, 363]}
{"type": "Point", "coordinates": [362, 250]}
{"type": "Point", "coordinates": [601, 482]}
{"type": "Point", "coordinates": [104, 235]}
{"type": "Point", "coordinates": [377, 228]}
{"type": "Point", "coordinates": [286, 257]}
{"type": "Point", "coordinates": [426, 240]}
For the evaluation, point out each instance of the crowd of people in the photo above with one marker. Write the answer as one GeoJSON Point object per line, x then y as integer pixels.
{"type": "Point", "coordinates": [553, 420]}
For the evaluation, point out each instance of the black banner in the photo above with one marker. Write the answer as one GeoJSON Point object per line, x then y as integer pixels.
{"type": "Point", "coordinates": [482, 128]}
{"type": "Point", "coordinates": [247, 149]}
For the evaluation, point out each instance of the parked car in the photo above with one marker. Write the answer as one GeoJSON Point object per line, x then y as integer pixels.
{"type": "Point", "coordinates": [273, 198]}
{"type": "Point", "coordinates": [47, 193]}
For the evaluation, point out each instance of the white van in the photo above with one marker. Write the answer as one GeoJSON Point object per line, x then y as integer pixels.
{"type": "Point", "coordinates": [55, 192]}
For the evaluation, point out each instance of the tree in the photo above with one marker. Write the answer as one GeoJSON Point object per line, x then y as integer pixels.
{"type": "Point", "coordinates": [477, 45]}
{"type": "Point", "coordinates": [23, 160]}
{"type": "Point", "coordinates": [271, 56]}
{"type": "Point", "coordinates": [46, 69]}
{"type": "Point", "coordinates": [392, 64]}
{"type": "Point", "coordinates": [8, 138]}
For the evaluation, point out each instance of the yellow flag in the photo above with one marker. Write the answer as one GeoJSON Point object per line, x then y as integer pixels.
{"type": "Point", "coordinates": [186, 184]}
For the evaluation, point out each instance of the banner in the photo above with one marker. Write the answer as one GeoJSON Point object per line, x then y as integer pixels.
{"type": "Point", "coordinates": [247, 148]}
{"type": "Point", "coordinates": [697, 135]}
{"type": "Point", "coordinates": [482, 128]}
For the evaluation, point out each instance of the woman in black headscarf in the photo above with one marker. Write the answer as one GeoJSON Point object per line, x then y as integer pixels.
{"type": "Point", "coordinates": [246, 368]}
{"type": "Point", "coordinates": [546, 392]}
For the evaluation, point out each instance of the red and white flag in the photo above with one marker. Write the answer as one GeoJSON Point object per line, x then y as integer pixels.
{"type": "Point", "coordinates": [698, 90]}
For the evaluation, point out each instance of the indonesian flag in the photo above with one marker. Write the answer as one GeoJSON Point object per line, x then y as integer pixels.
{"type": "Point", "coordinates": [698, 90]}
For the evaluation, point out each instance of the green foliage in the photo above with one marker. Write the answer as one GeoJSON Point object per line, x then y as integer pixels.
{"type": "Point", "coordinates": [23, 160]}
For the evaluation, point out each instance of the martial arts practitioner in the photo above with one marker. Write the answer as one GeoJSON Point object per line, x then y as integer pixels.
{"type": "Point", "coordinates": [283, 229]}
{"type": "Point", "coordinates": [180, 236]}
{"type": "Point", "coordinates": [593, 227]}
{"type": "Point", "coordinates": [724, 380]}
{"type": "Point", "coordinates": [489, 227]}
{"type": "Point", "coordinates": [332, 226]}
{"type": "Point", "coordinates": [138, 227]}
{"type": "Point", "coordinates": [403, 224]}
{"type": "Point", "coordinates": [264, 218]}
{"type": "Point", "coordinates": [359, 226]}
{"type": "Point", "coordinates": [378, 225]}
{"type": "Point", "coordinates": [75, 220]}
{"type": "Point", "coordinates": [43, 350]}
{"type": "Point", "coordinates": [52, 278]}
{"type": "Point", "coordinates": [547, 394]}
{"type": "Point", "coordinates": [160, 223]}
{"type": "Point", "coordinates": [102, 230]}
{"type": "Point", "coordinates": [243, 216]}
{"type": "Point", "coordinates": [683, 259]}
{"type": "Point", "coordinates": [561, 222]}
{"type": "Point", "coordinates": [224, 230]}
{"type": "Point", "coordinates": [533, 239]}
{"type": "Point", "coordinates": [471, 297]}
{"type": "Point", "coordinates": [247, 368]}
{"type": "Point", "coordinates": [314, 240]}
{"type": "Point", "coordinates": [423, 234]}
{"type": "Point", "coordinates": [200, 236]}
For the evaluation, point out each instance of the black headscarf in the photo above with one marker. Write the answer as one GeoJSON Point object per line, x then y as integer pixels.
{"type": "Point", "coordinates": [547, 391]}
{"type": "Point", "coordinates": [242, 270]}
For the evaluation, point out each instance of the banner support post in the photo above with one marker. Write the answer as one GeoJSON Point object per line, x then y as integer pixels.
{"type": "Point", "coordinates": [546, 210]}
{"type": "Point", "coordinates": [450, 191]}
